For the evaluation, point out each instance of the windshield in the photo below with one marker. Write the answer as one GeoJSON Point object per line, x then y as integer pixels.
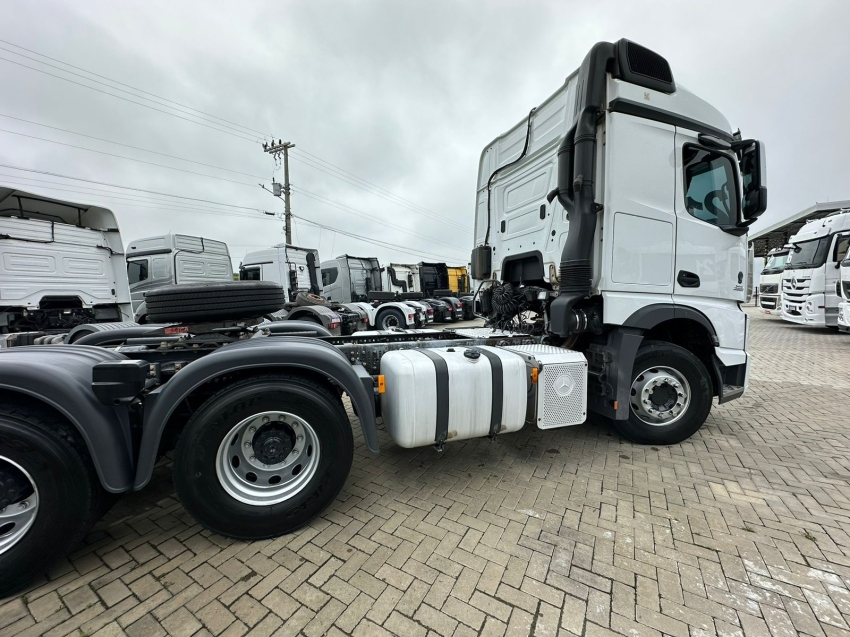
{"type": "Point", "coordinates": [809, 254]}
{"type": "Point", "coordinates": [777, 262]}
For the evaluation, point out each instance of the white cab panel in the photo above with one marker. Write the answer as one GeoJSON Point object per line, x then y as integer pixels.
{"type": "Point", "coordinates": [639, 225]}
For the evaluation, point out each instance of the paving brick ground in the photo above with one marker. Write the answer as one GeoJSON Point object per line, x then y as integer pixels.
{"type": "Point", "coordinates": [741, 530]}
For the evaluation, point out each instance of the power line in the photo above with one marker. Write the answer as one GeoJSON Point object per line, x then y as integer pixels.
{"type": "Point", "coordinates": [97, 192]}
{"type": "Point", "coordinates": [128, 100]}
{"type": "Point", "coordinates": [146, 150]}
{"type": "Point", "coordinates": [18, 46]}
{"type": "Point", "coordinates": [167, 207]}
{"type": "Point", "coordinates": [382, 244]}
{"type": "Point", "coordinates": [141, 161]}
{"type": "Point", "coordinates": [366, 181]}
{"type": "Point", "coordinates": [225, 127]}
{"type": "Point", "coordinates": [359, 213]}
{"type": "Point", "coordinates": [115, 88]}
{"type": "Point", "coordinates": [430, 215]}
{"type": "Point", "coordinates": [103, 183]}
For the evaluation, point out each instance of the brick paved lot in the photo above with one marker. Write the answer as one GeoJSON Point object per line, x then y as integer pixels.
{"type": "Point", "coordinates": [743, 529]}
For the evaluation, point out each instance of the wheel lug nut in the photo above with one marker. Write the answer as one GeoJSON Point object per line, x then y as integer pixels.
{"type": "Point", "coordinates": [251, 430]}
{"type": "Point", "coordinates": [294, 451]}
{"type": "Point", "coordinates": [252, 458]}
{"type": "Point", "coordinates": [247, 445]}
{"type": "Point", "coordinates": [23, 505]}
{"type": "Point", "coordinates": [265, 418]}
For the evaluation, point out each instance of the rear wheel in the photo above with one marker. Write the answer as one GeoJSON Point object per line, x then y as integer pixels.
{"type": "Point", "coordinates": [50, 495]}
{"type": "Point", "coordinates": [390, 318]}
{"type": "Point", "coordinates": [670, 395]}
{"type": "Point", "coordinates": [264, 456]}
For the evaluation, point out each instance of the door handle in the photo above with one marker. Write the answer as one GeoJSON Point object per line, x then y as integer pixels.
{"type": "Point", "coordinates": [687, 279]}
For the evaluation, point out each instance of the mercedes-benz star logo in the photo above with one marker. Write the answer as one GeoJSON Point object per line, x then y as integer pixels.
{"type": "Point", "coordinates": [794, 281]}
{"type": "Point", "coordinates": [564, 385]}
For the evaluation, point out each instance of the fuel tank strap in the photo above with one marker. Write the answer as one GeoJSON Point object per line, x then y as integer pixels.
{"type": "Point", "coordinates": [442, 372]}
{"type": "Point", "coordinates": [498, 390]}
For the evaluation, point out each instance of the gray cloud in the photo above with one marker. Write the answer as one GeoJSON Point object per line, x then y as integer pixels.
{"type": "Point", "coordinates": [404, 95]}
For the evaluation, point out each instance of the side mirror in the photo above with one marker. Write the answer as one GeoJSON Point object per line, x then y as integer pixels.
{"type": "Point", "coordinates": [754, 174]}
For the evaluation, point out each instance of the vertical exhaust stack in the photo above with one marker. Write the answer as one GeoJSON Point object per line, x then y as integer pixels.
{"type": "Point", "coordinates": [576, 190]}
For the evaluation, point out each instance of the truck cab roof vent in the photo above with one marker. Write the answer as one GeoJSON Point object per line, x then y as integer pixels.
{"type": "Point", "coordinates": [638, 65]}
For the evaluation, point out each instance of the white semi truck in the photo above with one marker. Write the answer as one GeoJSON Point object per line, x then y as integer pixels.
{"type": "Point", "coordinates": [770, 283]}
{"type": "Point", "coordinates": [631, 312]}
{"type": "Point", "coordinates": [297, 270]}
{"type": "Point", "coordinates": [173, 259]}
{"type": "Point", "coordinates": [357, 281]}
{"type": "Point", "coordinates": [809, 282]}
{"type": "Point", "coordinates": [61, 265]}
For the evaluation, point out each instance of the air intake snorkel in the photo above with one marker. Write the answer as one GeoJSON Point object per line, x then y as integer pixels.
{"type": "Point", "coordinates": [576, 190]}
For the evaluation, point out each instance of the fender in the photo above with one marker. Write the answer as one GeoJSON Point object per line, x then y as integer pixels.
{"type": "Point", "coordinates": [651, 315]}
{"type": "Point", "coordinates": [61, 376]}
{"type": "Point", "coordinates": [270, 353]}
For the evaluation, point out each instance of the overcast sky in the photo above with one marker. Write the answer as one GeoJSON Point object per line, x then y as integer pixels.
{"type": "Point", "coordinates": [404, 95]}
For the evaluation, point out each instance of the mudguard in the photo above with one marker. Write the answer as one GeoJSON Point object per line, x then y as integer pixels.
{"type": "Point", "coordinates": [270, 353]}
{"type": "Point", "coordinates": [61, 376]}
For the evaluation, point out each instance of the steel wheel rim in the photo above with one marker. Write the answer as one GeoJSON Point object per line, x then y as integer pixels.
{"type": "Point", "coordinates": [660, 396]}
{"type": "Point", "coordinates": [17, 518]}
{"type": "Point", "coordinates": [239, 462]}
{"type": "Point", "coordinates": [390, 321]}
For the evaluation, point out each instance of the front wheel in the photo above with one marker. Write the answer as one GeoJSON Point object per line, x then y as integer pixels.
{"type": "Point", "coordinates": [670, 395]}
{"type": "Point", "coordinates": [264, 456]}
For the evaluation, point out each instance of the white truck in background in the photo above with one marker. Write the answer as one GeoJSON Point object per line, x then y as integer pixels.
{"type": "Point", "coordinates": [809, 282]}
{"type": "Point", "coordinates": [770, 283]}
{"type": "Point", "coordinates": [61, 265]}
{"type": "Point", "coordinates": [843, 291]}
{"type": "Point", "coordinates": [173, 259]}
{"type": "Point", "coordinates": [298, 271]}
{"type": "Point", "coordinates": [356, 281]}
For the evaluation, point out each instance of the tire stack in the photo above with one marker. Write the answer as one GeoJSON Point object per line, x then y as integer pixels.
{"type": "Point", "coordinates": [207, 302]}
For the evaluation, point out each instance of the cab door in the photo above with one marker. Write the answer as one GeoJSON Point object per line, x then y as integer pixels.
{"type": "Point", "coordinates": [711, 263]}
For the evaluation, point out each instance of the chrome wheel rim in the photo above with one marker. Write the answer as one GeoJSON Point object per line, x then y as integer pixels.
{"type": "Point", "coordinates": [17, 518]}
{"type": "Point", "coordinates": [268, 458]}
{"type": "Point", "coordinates": [660, 396]}
{"type": "Point", "coordinates": [390, 321]}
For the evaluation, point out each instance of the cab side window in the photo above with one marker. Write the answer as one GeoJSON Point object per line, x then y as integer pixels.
{"type": "Point", "coordinates": [841, 246]}
{"type": "Point", "coordinates": [137, 271]}
{"type": "Point", "coordinates": [250, 274]}
{"type": "Point", "coordinates": [329, 275]}
{"type": "Point", "coordinates": [711, 191]}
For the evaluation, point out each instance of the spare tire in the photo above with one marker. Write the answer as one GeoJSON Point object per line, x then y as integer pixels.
{"type": "Point", "coordinates": [305, 298]}
{"type": "Point", "coordinates": [203, 302]}
{"type": "Point", "coordinates": [439, 293]}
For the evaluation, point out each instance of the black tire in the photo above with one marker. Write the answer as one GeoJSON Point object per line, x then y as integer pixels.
{"type": "Point", "coordinates": [195, 458]}
{"type": "Point", "coordinates": [380, 295]}
{"type": "Point", "coordinates": [655, 354]}
{"type": "Point", "coordinates": [70, 496]}
{"type": "Point", "coordinates": [305, 298]}
{"type": "Point", "coordinates": [214, 301]}
{"type": "Point", "coordinates": [413, 296]}
{"type": "Point", "coordinates": [389, 318]}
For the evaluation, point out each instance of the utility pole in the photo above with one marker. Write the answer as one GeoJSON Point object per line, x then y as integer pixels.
{"type": "Point", "coordinates": [282, 148]}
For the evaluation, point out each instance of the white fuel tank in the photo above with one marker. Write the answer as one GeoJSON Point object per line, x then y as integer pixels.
{"type": "Point", "coordinates": [438, 394]}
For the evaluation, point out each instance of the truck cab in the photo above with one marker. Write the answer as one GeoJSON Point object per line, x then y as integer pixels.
{"type": "Point", "coordinates": [357, 281]}
{"type": "Point", "coordinates": [61, 265]}
{"type": "Point", "coordinates": [171, 259]}
{"type": "Point", "coordinates": [297, 270]}
{"type": "Point", "coordinates": [770, 283]}
{"type": "Point", "coordinates": [809, 281]}
{"type": "Point", "coordinates": [618, 209]}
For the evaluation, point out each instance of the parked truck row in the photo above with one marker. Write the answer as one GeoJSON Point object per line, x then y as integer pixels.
{"type": "Point", "coordinates": [610, 262]}
{"type": "Point", "coordinates": [802, 281]}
